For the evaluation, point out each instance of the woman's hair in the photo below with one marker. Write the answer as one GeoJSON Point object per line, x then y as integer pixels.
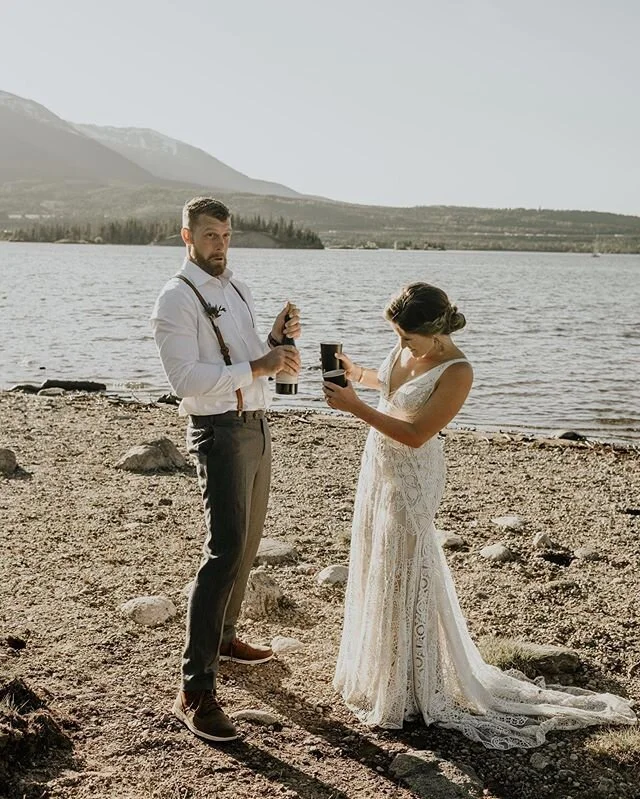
{"type": "Point", "coordinates": [424, 309]}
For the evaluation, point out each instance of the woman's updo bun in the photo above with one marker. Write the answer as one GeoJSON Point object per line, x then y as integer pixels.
{"type": "Point", "coordinates": [455, 320]}
{"type": "Point", "coordinates": [426, 310]}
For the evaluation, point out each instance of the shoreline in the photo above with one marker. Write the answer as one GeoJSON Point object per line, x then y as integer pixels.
{"type": "Point", "coordinates": [587, 251]}
{"type": "Point", "coordinates": [80, 537]}
{"type": "Point", "coordinates": [152, 397]}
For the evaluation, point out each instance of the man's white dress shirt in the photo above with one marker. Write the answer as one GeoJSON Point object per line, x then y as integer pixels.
{"type": "Point", "coordinates": [189, 349]}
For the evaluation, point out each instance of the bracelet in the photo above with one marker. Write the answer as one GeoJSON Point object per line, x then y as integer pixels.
{"type": "Point", "coordinates": [359, 380]}
{"type": "Point", "coordinates": [273, 341]}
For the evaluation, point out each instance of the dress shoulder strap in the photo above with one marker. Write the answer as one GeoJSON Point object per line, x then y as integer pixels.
{"type": "Point", "coordinates": [447, 364]}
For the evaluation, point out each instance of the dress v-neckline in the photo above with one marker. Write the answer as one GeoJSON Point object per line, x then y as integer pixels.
{"type": "Point", "coordinates": [394, 360]}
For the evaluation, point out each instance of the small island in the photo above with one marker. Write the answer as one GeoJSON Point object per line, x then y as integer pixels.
{"type": "Point", "coordinates": [253, 231]}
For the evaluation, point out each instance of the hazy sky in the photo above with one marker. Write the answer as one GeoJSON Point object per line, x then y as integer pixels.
{"type": "Point", "coordinates": [500, 103]}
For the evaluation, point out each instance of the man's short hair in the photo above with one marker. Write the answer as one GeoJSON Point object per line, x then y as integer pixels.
{"type": "Point", "coordinates": [203, 206]}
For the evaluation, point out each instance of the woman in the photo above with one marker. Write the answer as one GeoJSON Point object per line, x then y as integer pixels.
{"type": "Point", "coordinates": [406, 651]}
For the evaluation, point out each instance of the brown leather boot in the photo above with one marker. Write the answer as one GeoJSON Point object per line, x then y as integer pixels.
{"type": "Point", "coordinates": [201, 713]}
{"type": "Point", "coordinates": [249, 654]}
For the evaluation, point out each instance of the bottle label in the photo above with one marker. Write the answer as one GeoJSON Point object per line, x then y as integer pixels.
{"type": "Point", "coordinates": [283, 377]}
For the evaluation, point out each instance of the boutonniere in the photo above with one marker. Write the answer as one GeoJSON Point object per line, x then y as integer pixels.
{"type": "Point", "coordinates": [214, 311]}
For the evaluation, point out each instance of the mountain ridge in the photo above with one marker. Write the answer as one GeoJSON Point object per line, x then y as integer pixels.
{"type": "Point", "coordinates": [36, 143]}
{"type": "Point", "coordinates": [60, 171]}
{"type": "Point", "coordinates": [172, 159]}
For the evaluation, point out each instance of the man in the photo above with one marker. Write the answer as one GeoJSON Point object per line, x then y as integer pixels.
{"type": "Point", "coordinates": [221, 376]}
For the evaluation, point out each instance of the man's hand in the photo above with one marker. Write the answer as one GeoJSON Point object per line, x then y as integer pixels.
{"type": "Point", "coordinates": [281, 359]}
{"type": "Point", "coordinates": [292, 328]}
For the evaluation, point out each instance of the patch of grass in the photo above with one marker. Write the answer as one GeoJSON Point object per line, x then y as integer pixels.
{"type": "Point", "coordinates": [505, 653]}
{"type": "Point", "coordinates": [621, 745]}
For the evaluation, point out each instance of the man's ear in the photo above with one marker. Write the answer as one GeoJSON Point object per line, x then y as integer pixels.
{"type": "Point", "coordinates": [186, 235]}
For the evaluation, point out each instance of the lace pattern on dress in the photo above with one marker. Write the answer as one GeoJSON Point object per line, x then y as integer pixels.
{"type": "Point", "coordinates": [406, 650]}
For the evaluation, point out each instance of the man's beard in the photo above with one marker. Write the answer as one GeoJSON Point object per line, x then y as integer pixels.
{"type": "Point", "coordinates": [210, 265]}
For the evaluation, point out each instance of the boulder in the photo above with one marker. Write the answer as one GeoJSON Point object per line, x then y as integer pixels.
{"type": "Point", "coordinates": [542, 541]}
{"type": "Point", "coordinates": [449, 540]}
{"type": "Point", "coordinates": [161, 454]}
{"type": "Point", "coordinates": [510, 522]}
{"type": "Point", "coordinates": [262, 594]}
{"type": "Point", "coordinates": [286, 646]}
{"type": "Point", "coordinates": [256, 716]}
{"type": "Point", "coordinates": [538, 761]}
{"type": "Point", "coordinates": [569, 435]}
{"type": "Point", "coordinates": [497, 552]}
{"type": "Point", "coordinates": [432, 777]}
{"type": "Point", "coordinates": [333, 575]}
{"type": "Point", "coordinates": [533, 660]}
{"type": "Point", "coordinates": [273, 551]}
{"type": "Point", "coordinates": [149, 611]}
{"type": "Point", "coordinates": [587, 553]}
{"type": "Point", "coordinates": [8, 462]}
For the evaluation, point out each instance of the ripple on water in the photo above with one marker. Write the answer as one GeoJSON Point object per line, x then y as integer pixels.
{"type": "Point", "coordinates": [539, 365]}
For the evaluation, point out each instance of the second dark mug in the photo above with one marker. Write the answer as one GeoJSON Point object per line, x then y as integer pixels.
{"type": "Point", "coordinates": [336, 376]}
{"type": "Point", "coordinates": [328, 352]}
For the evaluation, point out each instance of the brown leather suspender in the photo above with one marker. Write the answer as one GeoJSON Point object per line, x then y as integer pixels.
{"type": "Point", "coordinates": [212, 313]}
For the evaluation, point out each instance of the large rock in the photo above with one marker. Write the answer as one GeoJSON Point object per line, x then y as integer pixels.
{"type": "Point", "coordinates": [272, 551]}
{"type": "Point", "coordinates": [333, 575]}
{"type": "Point", "coordinates": [533, 660]}
{"type": "Point", "coordinates": [150, 611]}
{"type": "Point", "coordinates": [161, 454]}
{"type": "Point", "coordinates": [256, 716]}
{"type": "Point", "coordinates": [511, 522]}
{"type": "Point", "coordinates": [497, 552]}
{"type": "Point", "coordinates": [587, 553]}
{"type": "Point", "coordinates": [8, 462]}
{"type": "Point", "coordinates": [286, 646]}
{"type": "Point", "coordinates": [431, 777]}
{"type": "Point", "coordinates": [449, 540]}
{"type": "Point", "coordinates": [262, 594]}
{"type": "Point", "coordinates": [543, 541]}
{"type": "Point", "coordinates": [569, 435]}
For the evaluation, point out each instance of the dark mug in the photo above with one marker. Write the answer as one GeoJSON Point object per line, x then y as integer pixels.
{"type": "Point", "coordinates": [337, 377]}
{"type": "Point", "coordinates": [328, 356]}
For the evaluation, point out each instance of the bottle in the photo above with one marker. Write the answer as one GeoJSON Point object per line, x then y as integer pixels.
{"type": "Point", "coordinates": [285, 383]}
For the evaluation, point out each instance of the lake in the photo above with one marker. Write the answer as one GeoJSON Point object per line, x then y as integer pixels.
{"type": "Point", "coordinates": [554, 338]}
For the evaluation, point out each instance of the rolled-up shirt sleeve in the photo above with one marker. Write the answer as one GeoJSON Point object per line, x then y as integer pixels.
{"type": "Point", "coordinates": [174, 324]}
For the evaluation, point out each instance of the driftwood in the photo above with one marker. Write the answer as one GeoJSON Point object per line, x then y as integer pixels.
{"type": "Point", "coordinates": [67, 385]}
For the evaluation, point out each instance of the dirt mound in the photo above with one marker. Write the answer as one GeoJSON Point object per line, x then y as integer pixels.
{"type": "Point", "coordinates": [28, 732]}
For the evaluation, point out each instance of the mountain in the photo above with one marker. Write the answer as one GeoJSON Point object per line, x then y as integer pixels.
{"type": "Point", "coordinates": [171, 159]}
{"type": "Point", "coordinates": [338, 224]}
{"type": "Point", "coordinates": [35, 144]}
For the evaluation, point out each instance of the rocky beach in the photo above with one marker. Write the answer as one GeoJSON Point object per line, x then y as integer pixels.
{"type": "Point", "coordinates": [541, 535]}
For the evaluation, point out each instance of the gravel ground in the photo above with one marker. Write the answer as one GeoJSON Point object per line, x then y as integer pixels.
{"type": "Point", "coordinates": [78, 538]}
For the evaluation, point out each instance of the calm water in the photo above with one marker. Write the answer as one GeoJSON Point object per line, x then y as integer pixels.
{"type": "Point", "coordinates": [554, 338]}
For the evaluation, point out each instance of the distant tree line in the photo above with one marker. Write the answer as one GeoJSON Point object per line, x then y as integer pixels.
{"type": "Point", "coordinates": [140, 231]}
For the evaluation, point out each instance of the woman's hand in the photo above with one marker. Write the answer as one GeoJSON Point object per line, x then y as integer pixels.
{"type": "Point", "coordinates": [351, 370]}
{"type": "Point", "coordinates": [292, 328]}
{"type": "Point", "coordinates": [341, 399]}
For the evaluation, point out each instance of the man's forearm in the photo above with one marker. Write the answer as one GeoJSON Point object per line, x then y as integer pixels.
{"type": "Point", "coordinates": [198, 379]}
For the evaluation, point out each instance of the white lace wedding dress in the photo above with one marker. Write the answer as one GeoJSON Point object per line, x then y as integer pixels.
{"type": "Point", "coordinates": [405, 650]}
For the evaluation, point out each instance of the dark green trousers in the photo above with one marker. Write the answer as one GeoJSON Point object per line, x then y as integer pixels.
{"type": "Point", "coordinates": [233, 459]}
